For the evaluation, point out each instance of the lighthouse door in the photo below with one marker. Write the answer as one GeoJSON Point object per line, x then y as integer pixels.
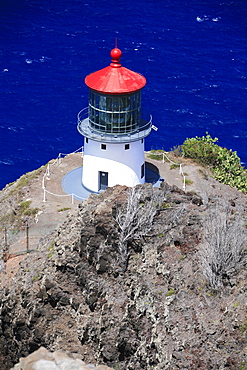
{"type": "Point", "coordinates": [103, 180]}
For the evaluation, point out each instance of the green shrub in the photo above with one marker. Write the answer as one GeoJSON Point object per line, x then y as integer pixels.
{"type": "Point", "coordinates": [202, 149]}
{"type": "Point", "coordinates": [63, 209]}
{"type": "Point", "coordinates": [170, 292]}
{"type": "Point", "coordinates": [26, 210]}
{"type": "Point", "coordinates": [31, 212]}
{"type": "Point", "coordinates": [36, 277]}
{"type": "Point", "coordinates": [25, 179]}
{"type": "Point", "coordinates": [225, 164]}
{"type": "Point", "coordinates": [188, 181]}
{"type": "Point", "coordinates": [156, 154]}
{"type": "Point", "coordinates": [174, 166]}
{"type": "Point", "coordinates": [25, 205]}
{"type": "Point", "coordinates": [51, 250]}
{"type": "Point", "coordinates": [243, 327]}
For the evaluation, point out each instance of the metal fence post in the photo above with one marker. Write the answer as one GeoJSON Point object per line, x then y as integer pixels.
{"type": "Point", "coordinates": [27, 236]}
{"type": "Point", "coordinates": [48, 171]}
{"type": "Point", "coordinates": [5, 237]}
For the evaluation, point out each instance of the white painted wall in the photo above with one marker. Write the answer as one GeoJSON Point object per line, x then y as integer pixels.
{"type": "Point", "coordinates": [123, 166]}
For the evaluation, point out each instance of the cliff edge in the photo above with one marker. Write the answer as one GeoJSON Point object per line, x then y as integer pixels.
{"type": "Point", "coordinates": [162, 309]}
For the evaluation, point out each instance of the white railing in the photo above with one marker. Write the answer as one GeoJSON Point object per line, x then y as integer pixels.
{"type": "Point", "coordinates": [181, 172]}
{"type": "Point", "coordinates": [98, 132]}
{"type": "Point", "coordinates": [74, 196]}
{"type": "Point", "coordinates": [48, 173]}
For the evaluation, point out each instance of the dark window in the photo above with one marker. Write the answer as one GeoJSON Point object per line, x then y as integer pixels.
{"type": "Point", "coordinates": [86, 139]}
{"type": "Point", "coordinates": [103, 180]}
{"type": "Point", "coordinates": [142, 170]}
{"type": "Point", "coordinates": [142, 140]}
{"type": "Point", "coordinates": [103, 146]}
{"type": "Point", "coordinates": [127, 146]}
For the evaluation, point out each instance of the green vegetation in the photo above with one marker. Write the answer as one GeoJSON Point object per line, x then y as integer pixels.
{"type": "Point", "coordinates": [242, 366]}
{"type": "Point", "coordinates": [170, 292]}
{"type": "Point", "coordinates": [157, 154]}
{"type": "Point", "coordinates": [36, 277]}
{"type": "Point", "coordinates": [26, 210]}
{"type": "Point", "coordinates": [224, 163]}
{"type": "Point", "coordinates": [24, 180]}
{"type": "Point", "coordinates": [174, 166]}
{"type": "Point", "coordinates": [23, 208]}
{"type": "Point", "coordinates": [25, 205]}
{"type": "Point", "coordinates": [203, 173]}
{"type": "Point", "coordinates": [51, 250]}
{"type": "Point", "coordinates": [243, 327]}
{"type": "Point", "coordinates": [15, 217]}
{"type": "Point", "coordinates": [31, 212]}
{"type": "Point", "coordinates": [63, 209]}
{"type": "Point", "coordinates": [165, 205]}
{"type": "Point", "coordinates": [188, 181]}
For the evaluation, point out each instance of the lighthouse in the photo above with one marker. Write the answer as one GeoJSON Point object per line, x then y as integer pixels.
{"type": "Point", "coordinates": [114, 127]}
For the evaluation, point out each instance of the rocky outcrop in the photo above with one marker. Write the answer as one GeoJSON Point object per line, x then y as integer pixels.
{"type": "Point", "coordinates": [43, 359]}
{"type": "Point", "coordinates": [73, 295]}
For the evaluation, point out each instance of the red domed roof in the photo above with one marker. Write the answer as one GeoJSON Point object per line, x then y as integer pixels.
{"type": "Point", "coordinates": [115, 79]}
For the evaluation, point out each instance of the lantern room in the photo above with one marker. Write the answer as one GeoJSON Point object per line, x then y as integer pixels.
{"type": "Point", "coordinates": [114, 114]}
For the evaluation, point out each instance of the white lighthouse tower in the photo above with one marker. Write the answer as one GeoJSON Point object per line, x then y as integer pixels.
{"type": "Point", "coordinates": [113, 127]}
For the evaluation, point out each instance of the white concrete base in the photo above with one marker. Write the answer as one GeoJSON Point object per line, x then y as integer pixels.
{"type": "Point", "coordinates": [106, 164]}
{"type": "Point", "coordinates": [72, 184]}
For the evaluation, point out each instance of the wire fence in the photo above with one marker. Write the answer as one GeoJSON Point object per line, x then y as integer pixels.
{"type": "Point", "coordinates": [47, 174]}
{"type": "Point", "coordinates": [16, 241]}
{"type": "Point", "coordinates": [164, 155]}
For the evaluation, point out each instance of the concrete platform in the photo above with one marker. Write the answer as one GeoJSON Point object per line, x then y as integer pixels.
{"type": "Point", "coordinates": [72, 185]}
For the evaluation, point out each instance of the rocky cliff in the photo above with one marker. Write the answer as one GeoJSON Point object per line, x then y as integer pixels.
{"type": "Point", "coordinates": [162, 311]}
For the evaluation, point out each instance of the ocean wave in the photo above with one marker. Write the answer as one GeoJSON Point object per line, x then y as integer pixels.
{"type": "Point", "coordinates": [6, 162]}
{"type": "Point", "coordinates": [42, 59]}
{"type": "Point", "coordinates": [207, 18]}
{"type": "Point", "coordinates": [183, 111]}
{"type": "Point", "coordinates": [12, 128]}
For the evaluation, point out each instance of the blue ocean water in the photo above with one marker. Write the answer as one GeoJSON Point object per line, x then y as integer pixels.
{"type": "Point", "coordinates": [193, 54]}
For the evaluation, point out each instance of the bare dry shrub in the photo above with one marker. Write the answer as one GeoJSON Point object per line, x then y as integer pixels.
{"type": "Point", "coordinates": [136, 218]}
{"type": "Point", "coordinates": [225, 245]}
